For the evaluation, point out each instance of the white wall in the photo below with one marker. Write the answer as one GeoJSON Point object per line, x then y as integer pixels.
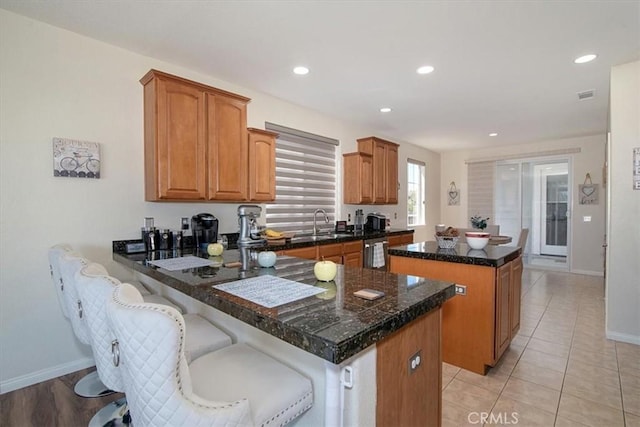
{"type": "Point", "coordinates": [587, 254]}
{"type": "Point", "coordinates": [623, 255]}
{"type": "Point", "coordinates": [54, 83]}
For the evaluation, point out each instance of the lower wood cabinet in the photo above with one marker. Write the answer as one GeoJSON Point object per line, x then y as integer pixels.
{"type": "Point", "coordinates": [400, 239]}
{"type": "Point", "coordinates": [349, 253]}
{"type": "Point", "coordinates": [405, 396]}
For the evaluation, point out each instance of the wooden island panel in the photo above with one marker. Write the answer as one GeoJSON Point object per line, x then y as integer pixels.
{"type": "Point", "coordinates": [468, 321]}
{"type": "Point", "coordinates": [404, 398]}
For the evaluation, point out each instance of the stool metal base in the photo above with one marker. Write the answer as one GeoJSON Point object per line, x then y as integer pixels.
{"type": "Point", "coordinates": [91, 386]}
{"type": "Point", "coordinates": [115, 414]}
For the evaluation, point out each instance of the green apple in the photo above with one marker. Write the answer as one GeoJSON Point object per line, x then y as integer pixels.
{"type": "Point", "coordinates": [215, 249]}
{"type": "Point", "coordinates": [325, 271]}
{"type": "Point", "coordinates": [217, 261]}
{"type": "Point", "coordinates": [330, 292]}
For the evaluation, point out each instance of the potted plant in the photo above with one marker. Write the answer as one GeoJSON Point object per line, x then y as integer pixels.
{"type": "Point", "coordinates": [479, 222]}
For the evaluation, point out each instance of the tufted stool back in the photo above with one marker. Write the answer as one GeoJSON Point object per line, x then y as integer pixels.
{"type": "Point", "coordinates": [70, 264]}
{"type": "Point", "coordinates": [55, 252]}
{"type": "Point", "coordinates": [149, 349]}
{"type": "Point", "coordinates": [95, 289]}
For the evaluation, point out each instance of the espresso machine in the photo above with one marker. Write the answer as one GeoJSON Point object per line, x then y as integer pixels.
{"type": "Point", "coordinates": [205, 230]}
{"type": "Point", "coordinates": [249, 230]}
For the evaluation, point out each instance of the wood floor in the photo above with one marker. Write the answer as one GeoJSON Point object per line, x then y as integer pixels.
{"type": "Point", "coordinates": [51, 403]}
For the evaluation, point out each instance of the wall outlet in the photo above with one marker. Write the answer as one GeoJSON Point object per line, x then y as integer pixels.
{"type": "Point", "coordinates": [414, 362]}
{"type": "Point", "coordinates": [586, 218]}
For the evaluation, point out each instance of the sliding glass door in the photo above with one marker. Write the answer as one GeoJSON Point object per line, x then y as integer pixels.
{"type": "Point", "coordinates": [552, 181]}
{"type": "Point", "coordinates": [534, 194]}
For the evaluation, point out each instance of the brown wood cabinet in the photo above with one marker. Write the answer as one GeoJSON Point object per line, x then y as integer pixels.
{"type": "Point", "coordinates": [358, 178]}
{"type": "Point", "coordinates": [262, 165]}
{"type": "Point", "coordinates": [477, 326]}
{"type": "Point", "coordinates": [410, 397]}
{"type": "Point", "coordinates": [196, 143]}
{"type": "Point", "coordinates": [371, 174]}
{"type": "Point", "coordinates": [385, 168]}
{"type": "Point", "coordinates": [352, 254]}
{"type": "Point", "coordinates": [515, 295]}
{"type": "Point", "coordinates": [400, 239]}
{"type": "Point", "coordinates": [349, 253]}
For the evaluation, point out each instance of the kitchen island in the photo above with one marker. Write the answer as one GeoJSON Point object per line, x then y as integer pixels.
{"type": "Point", "coordinates": [479, 323]}
{"type": "Point", "coordinates": [364, 347]}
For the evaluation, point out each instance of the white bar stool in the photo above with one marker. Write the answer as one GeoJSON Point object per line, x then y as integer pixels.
{"type": "Point", "coordinates": [234, 386]}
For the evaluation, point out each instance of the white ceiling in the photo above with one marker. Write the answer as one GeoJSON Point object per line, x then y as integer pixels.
{"type": "Point", "coordinates": [500, 66]}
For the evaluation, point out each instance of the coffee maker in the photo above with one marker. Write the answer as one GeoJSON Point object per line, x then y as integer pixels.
{"type": "Point", "coordinates": [205, 230]}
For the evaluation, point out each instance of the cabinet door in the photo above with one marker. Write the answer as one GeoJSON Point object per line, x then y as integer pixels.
{"type": "Point", "coordinates": [358, 178]}
{"type": "Point", "coordinates": [175, 165]}
{"type": "Point", "coordinates": [515, 295]}
{"type": "Point", "coordinates": [262, 165]}
{"type": "Point", "coordinates": [353, 259]}
{"type": "Point", "coordinates": [503, 321]}
{"type": "Point", "coordinates": [227, 140]}
{"type": "Point", "coordinates": [306, 253]}
{"type": "Point", "coordinates": [332, 252]}
{"type": "Point", "coordinates": [391, 154]}
{"type": "Point", "coordinates": [379, 168]}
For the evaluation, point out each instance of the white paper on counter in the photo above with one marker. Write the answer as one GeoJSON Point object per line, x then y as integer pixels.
{"type": "Point", "coordinates": [269, 291]}
{"type": "Point", "coordinates": [181, 263]}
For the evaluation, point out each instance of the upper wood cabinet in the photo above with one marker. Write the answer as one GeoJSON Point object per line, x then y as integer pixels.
{"type": "Point", "coordinates": [262, 165]}
{"type": "Point", "coordinates": [381, 179]}
{"type": "Point", "coordinates": [358, 178]}
{"type": "Point", "coordinates": [196, 141]}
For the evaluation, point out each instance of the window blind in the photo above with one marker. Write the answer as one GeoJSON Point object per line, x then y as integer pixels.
{"type": "Point", "coordinates": [480, 184]}
{"type": "Point", "coordinates": [305, 180]}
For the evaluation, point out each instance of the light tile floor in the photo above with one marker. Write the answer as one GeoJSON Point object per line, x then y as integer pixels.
{"type": "Point", "coordinates": [560, 369]}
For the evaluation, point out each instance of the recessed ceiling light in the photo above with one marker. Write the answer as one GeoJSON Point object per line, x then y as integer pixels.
{"type": "Point", "coordinates": [301, 70]}
{"type": "Point", "coordinates": [385, 110]}
{"type": "Point", "coordinates": [585, 58]}
{"type": "Point", "coordinates": [426, 69]}
{"type": "Point", "coordinates": [493, 134]}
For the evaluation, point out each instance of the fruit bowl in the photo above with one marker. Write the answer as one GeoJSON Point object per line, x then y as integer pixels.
{"type": "Point", "coordinates": [447, 242]}
{"type": "Point", "coordinates": [477, 239]}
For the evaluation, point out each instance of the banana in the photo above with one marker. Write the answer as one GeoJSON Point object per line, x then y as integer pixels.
{"type": "Point", "coordinates": [272, 233]}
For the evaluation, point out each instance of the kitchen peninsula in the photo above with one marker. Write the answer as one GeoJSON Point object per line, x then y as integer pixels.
{"type": "Point", "coordinates": [360, 344]}
{"type": "Point", "coordinates": [479, 323]}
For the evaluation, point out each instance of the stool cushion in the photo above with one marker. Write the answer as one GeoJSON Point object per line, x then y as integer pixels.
{"type": "Point", "coordinates": [201, 337]}
{"type": "Point", "coordinates": [277, 394]}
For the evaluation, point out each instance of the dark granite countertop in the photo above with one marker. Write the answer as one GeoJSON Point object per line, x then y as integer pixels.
{"type": "Point", "coordinates": [491, 255]}
{"type": "Point", "coordinates": [329, 238]}
{"type": "Point", "coordinates": [334, 325]}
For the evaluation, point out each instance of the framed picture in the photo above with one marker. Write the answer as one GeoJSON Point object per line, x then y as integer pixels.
{"type": "Point", "coordinates": [453, 195]}
{"type": "Point", "coordinates": [76, 159]}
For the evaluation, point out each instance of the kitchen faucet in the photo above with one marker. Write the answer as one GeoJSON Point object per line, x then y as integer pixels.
{"type": "Point", "coordinates": [326, 219]}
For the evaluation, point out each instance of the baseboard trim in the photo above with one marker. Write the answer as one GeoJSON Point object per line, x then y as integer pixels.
{"type": "Point", "coordinates": [589, 272]}
{"type": "Point", "coordinates": [628, 338]}
{"type": "Point", "coordinates": [45, 374]}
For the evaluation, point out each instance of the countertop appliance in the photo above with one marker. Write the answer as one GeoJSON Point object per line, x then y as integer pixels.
{"type": "Point", "coordinates": [376, 222]}
{"type": "Point", "coordinates": [376, 254]}
{"type": "Point", "coordinates": [249, 231]}
{"type": "Point", "coordinates": [205, 230]}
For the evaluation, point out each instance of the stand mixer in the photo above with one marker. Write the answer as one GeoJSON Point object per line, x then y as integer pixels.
{"type": "Point", "coordinates": [247, 218]}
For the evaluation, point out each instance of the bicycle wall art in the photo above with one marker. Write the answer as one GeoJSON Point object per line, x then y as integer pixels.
{"type": "Point", "coordinates": [76, 159]}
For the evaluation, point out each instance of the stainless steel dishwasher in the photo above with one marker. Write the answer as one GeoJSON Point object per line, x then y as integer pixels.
{"type": "Point", "coordinates": [376, 254]}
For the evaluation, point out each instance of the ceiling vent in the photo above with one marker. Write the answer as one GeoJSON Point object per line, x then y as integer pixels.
{"type": "Point", "coordinates": [587, 94]}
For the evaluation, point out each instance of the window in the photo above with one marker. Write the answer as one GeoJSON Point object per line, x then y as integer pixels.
{"type": "Point", "coordinates": [415, 193]}
{"type": "Point", "coordinates": [305, 180]}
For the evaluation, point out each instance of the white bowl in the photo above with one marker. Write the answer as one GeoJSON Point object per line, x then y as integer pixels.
{"type": "Point", "coordinates": [477, 240]}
